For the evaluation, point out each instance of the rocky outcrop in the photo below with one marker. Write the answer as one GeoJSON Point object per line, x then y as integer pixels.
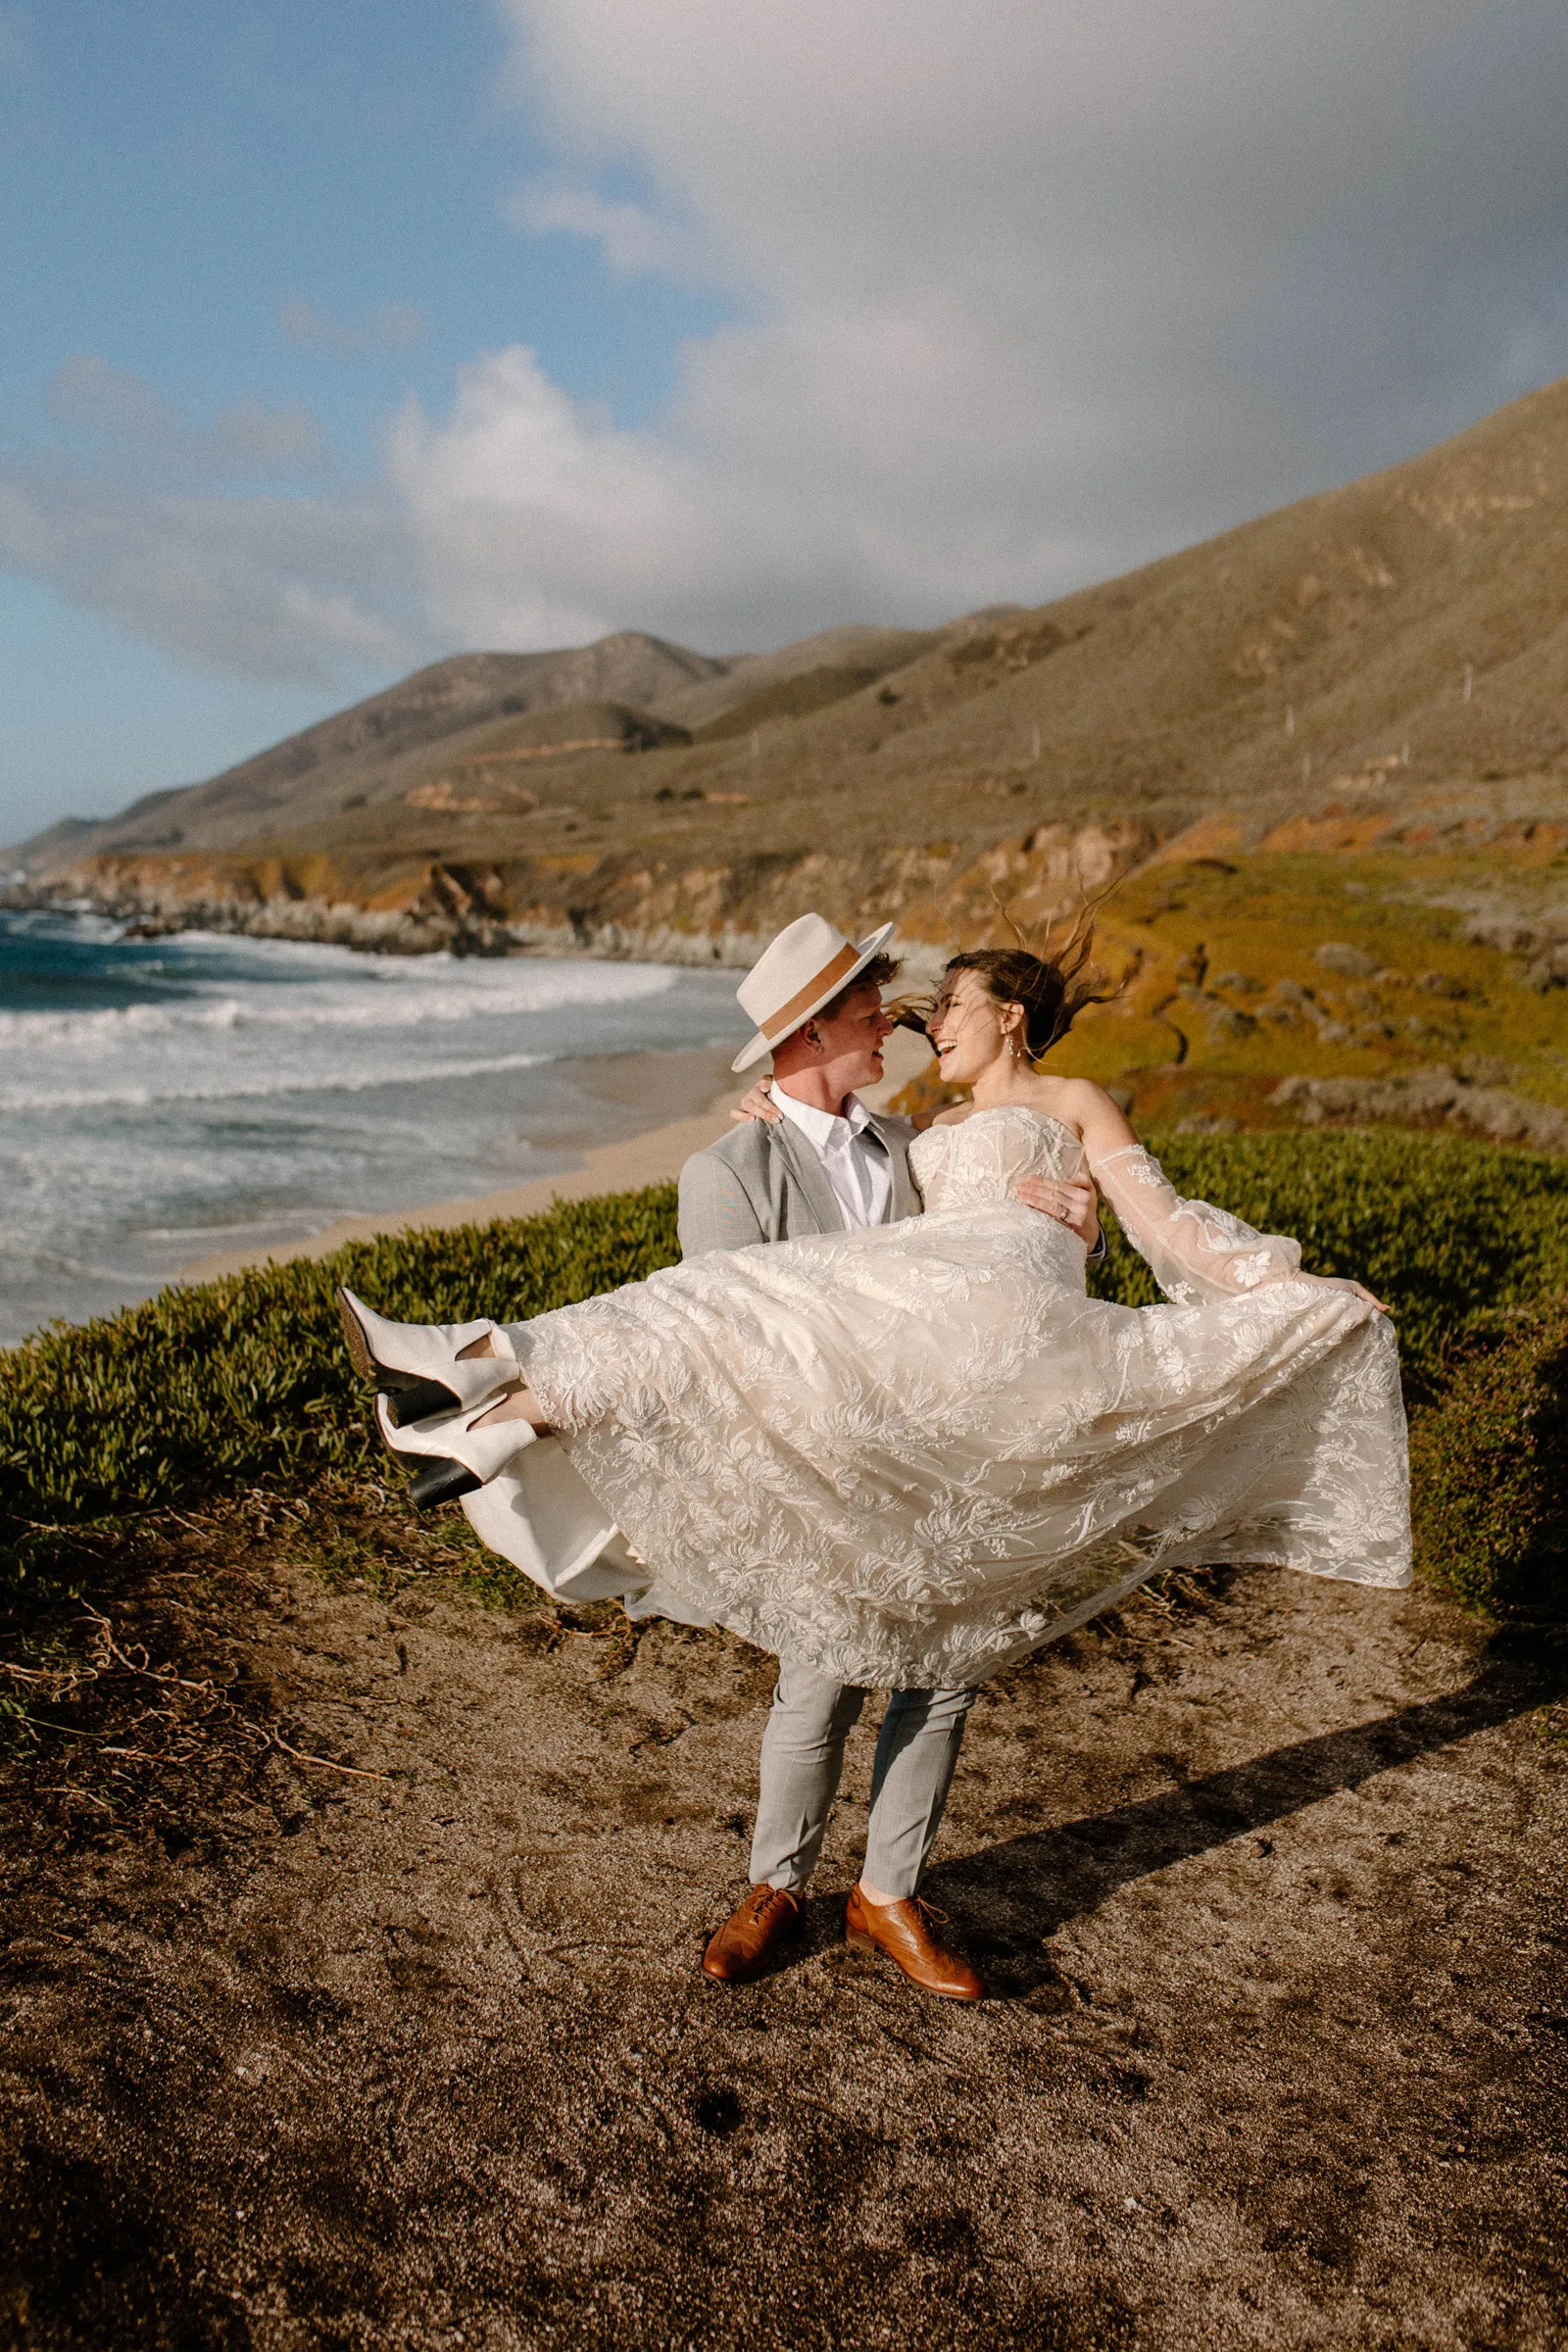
{"type": "Point", "coordinates": [267, 898]}
{"type": "Point", "coordinates": [1427, 1098]}
{"type": "Point", "coordinates": [1540, 938]}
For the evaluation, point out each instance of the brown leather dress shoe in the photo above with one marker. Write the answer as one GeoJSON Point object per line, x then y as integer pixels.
{"type": "Point", "coordinates": [748, 1943]}
{"type": "Point", "coordinates": [905, 1934]}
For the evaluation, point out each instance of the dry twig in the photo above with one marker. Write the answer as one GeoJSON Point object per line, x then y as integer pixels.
{"type": "Point", "coordinates": [353, 1771]}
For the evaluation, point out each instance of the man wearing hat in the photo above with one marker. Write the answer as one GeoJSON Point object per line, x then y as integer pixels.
{"type": "Point", "coordinates": [826, 1164]}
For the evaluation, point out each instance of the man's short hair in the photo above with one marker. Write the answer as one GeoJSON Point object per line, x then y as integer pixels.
{"type": "Point", "coordinates": [876, 974]}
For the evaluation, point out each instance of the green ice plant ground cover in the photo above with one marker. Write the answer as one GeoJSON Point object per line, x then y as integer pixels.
{"type": "Point", "coordinates": [245, 1383]}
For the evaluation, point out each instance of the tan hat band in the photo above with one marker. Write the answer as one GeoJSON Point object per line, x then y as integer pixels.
{"type": "Point", "coordinates": [801, 1003]}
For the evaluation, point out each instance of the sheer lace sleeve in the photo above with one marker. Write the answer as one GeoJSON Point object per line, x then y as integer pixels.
{"type": "Point", "coordinates": [1196, 1253]}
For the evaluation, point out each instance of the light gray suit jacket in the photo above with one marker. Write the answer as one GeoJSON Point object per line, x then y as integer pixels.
{"type": "Point", "coordinates": [763, 1183]}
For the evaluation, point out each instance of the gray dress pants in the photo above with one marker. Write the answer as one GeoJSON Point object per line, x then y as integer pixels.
{"type": "Point", "coordinates": [803, 1756]}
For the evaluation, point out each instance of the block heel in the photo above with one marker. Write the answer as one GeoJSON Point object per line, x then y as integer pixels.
{"type": "Point", "coordinates": [442, 1482]}
{"type": "Point", "coordinates": [411, 1400]}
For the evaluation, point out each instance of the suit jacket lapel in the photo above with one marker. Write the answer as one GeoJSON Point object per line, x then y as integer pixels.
{"type": "Point", "coordinates": [905, 1200]}
{"type": "Point", "coordinates": [811, 1176]}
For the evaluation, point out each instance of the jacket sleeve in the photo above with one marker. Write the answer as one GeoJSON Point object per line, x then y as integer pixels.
{"type": "Point", "coordinates": [1196, 1253]}
{"type": "Point", "coordinates": [715, 1210]}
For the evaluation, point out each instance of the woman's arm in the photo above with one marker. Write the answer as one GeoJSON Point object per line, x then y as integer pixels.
{"type": "Point", "coordinates": [758, 1104]}
{"type": "Point", "coordinates": [1102, 1123]}
{"type": "Point", "coordinates": [1195, 1251]}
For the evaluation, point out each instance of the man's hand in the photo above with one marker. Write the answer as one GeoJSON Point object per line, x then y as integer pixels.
{"type": "Point", "coordinates": [1072, 1202]}
{"type": "Point", "coordinates": [758, 1104]}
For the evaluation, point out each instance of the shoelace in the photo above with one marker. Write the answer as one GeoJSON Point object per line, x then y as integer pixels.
{"type": "Point", "coordinates": [763, 1901]}
{"type": "Point", "coordinates": [928, 1911]}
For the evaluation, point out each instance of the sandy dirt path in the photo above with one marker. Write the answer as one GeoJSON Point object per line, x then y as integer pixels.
{"type": "Point", "coordinates": [1269, 1890]}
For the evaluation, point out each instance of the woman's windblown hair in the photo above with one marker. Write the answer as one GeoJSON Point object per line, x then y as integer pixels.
{"type": "Point", "coordinates": [1052, 988]}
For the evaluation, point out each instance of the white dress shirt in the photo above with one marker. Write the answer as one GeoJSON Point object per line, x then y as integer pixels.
{"type": "Point", "coordinates": [854, 1156]}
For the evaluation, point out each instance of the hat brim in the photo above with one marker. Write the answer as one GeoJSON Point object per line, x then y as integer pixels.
{"type": "Point", "coordinates": [761, 1046]}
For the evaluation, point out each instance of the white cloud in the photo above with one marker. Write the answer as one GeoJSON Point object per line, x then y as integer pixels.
{"type": "Point", "coordinates": [250, 438]}
{"type": "Point", "coordinates": [635, 241]}
{"type": "Point", "coordinates": [538, 521]}
{"type": "Point", "coordinates": [1028, 293]}
{"type": "Point", "coordinates": [1018, 295]}
{"type": "Point", "coordinates": [292, 591]}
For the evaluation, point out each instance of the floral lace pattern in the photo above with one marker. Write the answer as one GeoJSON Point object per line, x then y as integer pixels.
{"type": "Point", "coordinates": [908, 1455]}
{"type": "Point", "coordinates": [1194, 1251]}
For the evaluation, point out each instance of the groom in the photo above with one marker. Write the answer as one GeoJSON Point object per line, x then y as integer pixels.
{"type": "Point", "coordinates": [824, 1165]}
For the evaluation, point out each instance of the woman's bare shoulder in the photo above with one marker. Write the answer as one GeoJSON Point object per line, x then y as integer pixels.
{"type": "Point", "coordinates": [1084, 1106]}
{"type": "Point", "coordinates": [1084, 1094]}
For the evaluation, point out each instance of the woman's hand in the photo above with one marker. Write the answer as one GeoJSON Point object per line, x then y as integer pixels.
{"type": "Point", "coordinates": [1357, 1290]}
{"type": "Point", "coordinates": [1072, 1201]}
{"type": "Point", "coordinates": [758, 1104]}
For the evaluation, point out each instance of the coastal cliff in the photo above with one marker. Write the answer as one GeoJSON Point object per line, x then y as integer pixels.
{"type": "Point", "coordinates": [1353, 965]}
{"type": "Point", "coordinates": [617, 905]}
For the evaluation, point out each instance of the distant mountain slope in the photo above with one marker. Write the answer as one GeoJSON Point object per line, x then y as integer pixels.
{"type": "Point", "coordinates": [306, 777]}
{"type": "Point", "coordinates": [358, 755]}
{"type": "Point", "coordinates": [1400, 643]}
{"type": "Point", "coordinates": [854, 646]}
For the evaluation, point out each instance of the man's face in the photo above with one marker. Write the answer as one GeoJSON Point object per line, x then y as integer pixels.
{"type": "Point", "coordinates": [851, 1039]}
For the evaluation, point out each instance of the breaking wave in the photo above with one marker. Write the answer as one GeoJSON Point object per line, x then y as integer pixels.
{"type": "Point", "coordinates": [156, 1093]}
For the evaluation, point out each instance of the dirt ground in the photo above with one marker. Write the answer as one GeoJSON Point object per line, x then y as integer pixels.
{"type": "Point", "coordinates": [1267, 1881]}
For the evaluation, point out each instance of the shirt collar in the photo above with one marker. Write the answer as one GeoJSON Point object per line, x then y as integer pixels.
{"type": "Point", "coordinates": [823, 1127]}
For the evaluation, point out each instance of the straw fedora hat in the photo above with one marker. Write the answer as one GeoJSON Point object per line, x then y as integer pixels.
{"type": "Point", "coordinates": [805, 966]}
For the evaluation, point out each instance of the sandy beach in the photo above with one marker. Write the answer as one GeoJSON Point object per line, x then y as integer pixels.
{"type": "Point", "coordinates": [698, 1085]}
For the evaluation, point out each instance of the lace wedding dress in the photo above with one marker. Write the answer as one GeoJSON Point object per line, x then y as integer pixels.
{"type": "Point", "coordinates": [910, 1454]}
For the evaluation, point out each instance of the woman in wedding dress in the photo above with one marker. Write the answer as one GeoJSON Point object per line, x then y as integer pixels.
{"type": "Point", "coordinates": [910, 1453]}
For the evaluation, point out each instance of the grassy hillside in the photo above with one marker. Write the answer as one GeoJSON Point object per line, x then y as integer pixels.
{"type": "Point", "coordinates": [243, 1382]}
{"type": "Point", "coordinates": [1337, 952]}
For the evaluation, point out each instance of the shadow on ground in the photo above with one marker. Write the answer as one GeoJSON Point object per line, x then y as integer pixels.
{"type": "Point", "coordinates": [1058, 1875]}
{"type": "Point", "coordinates": [410, 2047]}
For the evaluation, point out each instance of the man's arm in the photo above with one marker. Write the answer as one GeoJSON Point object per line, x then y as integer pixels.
{"type": "Point", "coordinates": [715, 1212]}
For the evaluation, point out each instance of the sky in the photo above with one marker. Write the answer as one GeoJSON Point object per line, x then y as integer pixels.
{"type": "Point", "coordinates": [339, 338]}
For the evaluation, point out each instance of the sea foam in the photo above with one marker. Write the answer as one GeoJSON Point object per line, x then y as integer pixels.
{"type": "Point", "coordinates": [155, 1095]}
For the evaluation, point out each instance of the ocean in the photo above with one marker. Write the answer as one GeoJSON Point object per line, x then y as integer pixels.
{"type": "Point", "coordinates": [165, 1100]}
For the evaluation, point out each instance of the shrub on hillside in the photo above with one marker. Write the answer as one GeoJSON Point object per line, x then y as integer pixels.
{"type": "Point", "coordinates": [1443, 1229]}
{"type": "Point", "coordinates": [1488, 1469]}
{"type": "Point", "coordinates": [245, 1381]}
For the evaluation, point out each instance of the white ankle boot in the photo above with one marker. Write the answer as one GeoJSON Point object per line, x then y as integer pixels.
{"type": "Point", "coordinates": [452, 1437]}
{"type": "Point", "coordinates": [415, 1359]}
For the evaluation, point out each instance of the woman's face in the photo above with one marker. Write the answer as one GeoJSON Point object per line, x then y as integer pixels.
{"type": "Point", "coordinates": [968, 1028]}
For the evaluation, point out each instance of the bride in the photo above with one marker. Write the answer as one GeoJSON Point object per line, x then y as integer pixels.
{"type": "Point", "coordinates": [910, 1453]}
